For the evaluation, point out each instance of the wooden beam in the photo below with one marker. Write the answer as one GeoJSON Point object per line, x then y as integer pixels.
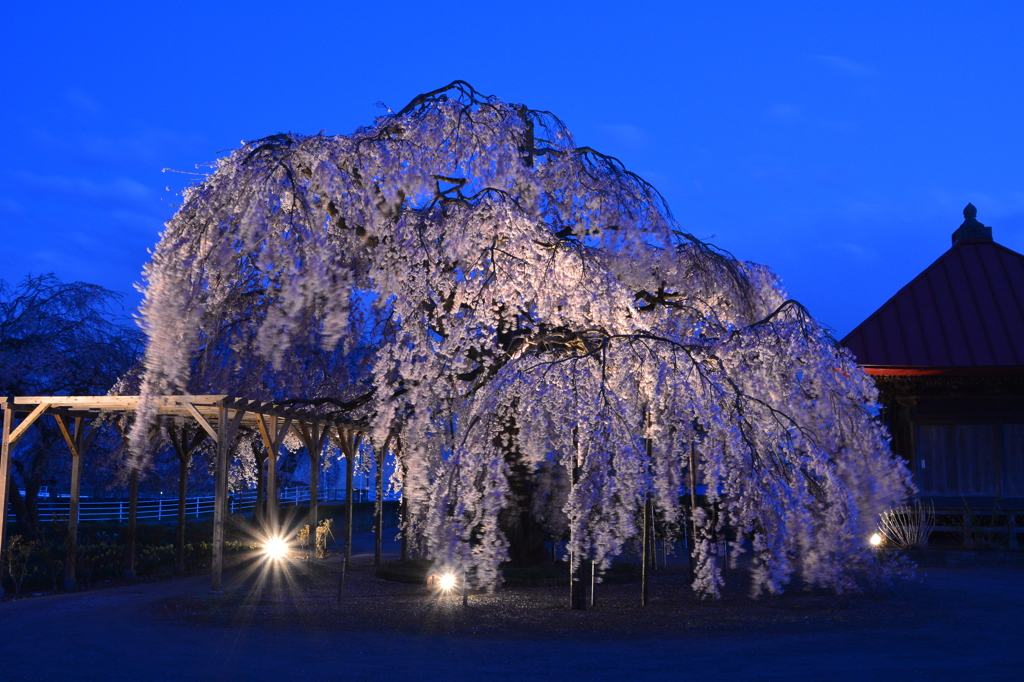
{"type": "Point", "coordinates": [202, 420]}
{"type": "Point", "coordinates": [17, 433]}
{"type": "Point", "coordinates": [63, 426]}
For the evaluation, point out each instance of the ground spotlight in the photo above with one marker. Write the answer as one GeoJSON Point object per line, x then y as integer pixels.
{"type": "Point", "coordinates": [876, 540]}
{"type": "Point", "coordinates": [447, 582]}
{"type": "Point", "coordinates": [275, 548]}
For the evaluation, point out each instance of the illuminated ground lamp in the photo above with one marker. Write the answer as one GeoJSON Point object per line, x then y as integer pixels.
{"type": "Point", "coordinates": [447, 582]}
{"type": "Point", "coordinates": [442, 582]}
{"type": "Point", "coordinates": [275, 549]}
{"type": "Point", "coordinates": [876, 540]}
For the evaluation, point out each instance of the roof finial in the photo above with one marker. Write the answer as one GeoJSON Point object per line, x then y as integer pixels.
{"type": "Point", "coordinates": [971, 230]}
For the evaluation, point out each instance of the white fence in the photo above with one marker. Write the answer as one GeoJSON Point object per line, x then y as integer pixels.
{"type": "Point", "coordinates": [166, 508]}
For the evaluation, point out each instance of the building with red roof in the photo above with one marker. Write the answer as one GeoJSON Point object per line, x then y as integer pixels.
{"type": "Point", "coordinates": [947, 354]}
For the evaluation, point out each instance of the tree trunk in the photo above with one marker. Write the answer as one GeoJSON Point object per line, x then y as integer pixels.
{"type": "Point", "coordinates": [31, 530]}
{"type": "Point", "coordinates": [18, 507]}
{"type": "Point", "coordinates": [526, 539]}
{"type": "Point", "coordinates": [378, 506]}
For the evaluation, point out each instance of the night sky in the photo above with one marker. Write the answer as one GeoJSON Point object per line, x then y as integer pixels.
{"type": "Point", "coordinates": [836, 143]}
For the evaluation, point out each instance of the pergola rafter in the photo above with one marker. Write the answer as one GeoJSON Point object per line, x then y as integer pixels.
{"type": "Point", "coordinates": [220, 416]}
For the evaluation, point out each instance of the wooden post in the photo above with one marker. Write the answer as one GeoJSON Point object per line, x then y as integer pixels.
{"type": "Point", "coordinates": [76, 479]}
{"type": "Point", "coordinates": [593, 584]}
{"type": "Point", "coordinates": [378, 509]}
{"type": "Point", "coordinates": [5, 481]}
{"type": "Point", "coordinates": [179, 531]}
{"type": "Point", "coordinates": [273, 504]}
{"type": "Point", "coordinates": [220, 498]}
{"type": "Point", "coordinates": [77, 443]}
{"type": "Point", "coordinates": [225, 434]}
{"type": "Point", "coordinates": [133, 513]}
{"type": "Point", "coordinates": [575, 601]}
{"type": "Point", "coordinates": [648, 531]}
{"type": "Point", "coordinates": [258, 508]}
{"type": "Point", "coordinates": [404, 520]}
{"type": "Point", "coordinates": [313, 437]}
{"type": "Point", "coordinates": [693, 508]}
{"type": "Point", "coordinates": [184, 445]}
{"type": "Point", "coordinates": [575, 590]}
{"type": "Point", "coordinates": [314, 489]}
{"type": "Point", "coordinates": [350, 444]}
{"type": "Point", "coordinates": [645, 556]}
{"type": "Point", "coordinates": [273, 432]}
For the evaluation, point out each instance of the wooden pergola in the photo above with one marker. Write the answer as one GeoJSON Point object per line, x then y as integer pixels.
{"type": "Point", "coordinates": [220, 416]}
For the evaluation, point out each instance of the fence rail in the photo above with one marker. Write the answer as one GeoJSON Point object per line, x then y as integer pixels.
{"type": "Point", "coordinates": [981, 527]}
{"type": "Point", "coordinates": [166, 508]}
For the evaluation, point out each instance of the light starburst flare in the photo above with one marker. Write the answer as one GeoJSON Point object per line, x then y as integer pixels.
{"type": "Point", "coordinates": [275, 548]}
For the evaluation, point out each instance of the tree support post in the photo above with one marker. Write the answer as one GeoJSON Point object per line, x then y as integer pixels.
{"type": "Point", "coordinates": [576, 602]}
{"type": "Point", "coordinates": [403, 519]}
{"type": "Point", "coordinates": [645, 559]}
{"type": "Point", "coordinates": [349, 492]}
{"type": "Point", "coordinates": [378, 507]}
{"type": "Point", "coordinates": [575, 588]}
{"type": "Point", "coordinates": [693, 508]}
{"type": "Point", "coordinates": [593, 583]}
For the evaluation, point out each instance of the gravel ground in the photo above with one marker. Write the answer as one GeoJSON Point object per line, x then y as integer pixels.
{"type": "Point", "coordinates": [962, 623]}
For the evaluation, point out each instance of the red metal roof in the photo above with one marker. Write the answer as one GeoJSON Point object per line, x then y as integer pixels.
{"type": "Point", "coordinates": [966, 310]}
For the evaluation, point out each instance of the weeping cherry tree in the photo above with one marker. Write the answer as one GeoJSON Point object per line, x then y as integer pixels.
{"type": "Point", "coordinates": [536, 309]}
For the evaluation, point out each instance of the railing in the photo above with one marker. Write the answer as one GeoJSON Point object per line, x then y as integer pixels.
{"type": "Point", "coordinates": [166, 508]}
{"type": "Point", "coordinates": [981, 528]}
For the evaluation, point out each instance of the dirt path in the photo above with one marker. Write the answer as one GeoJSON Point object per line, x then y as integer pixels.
{"type": "Point", "coordinates": [950, 624]}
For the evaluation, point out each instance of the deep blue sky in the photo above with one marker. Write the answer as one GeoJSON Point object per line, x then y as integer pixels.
{"type": "Point", "coordinates": [835, 143]}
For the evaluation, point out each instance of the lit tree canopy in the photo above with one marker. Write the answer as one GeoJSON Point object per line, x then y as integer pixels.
{"type": "Point", "coordinates": [536, 307]}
